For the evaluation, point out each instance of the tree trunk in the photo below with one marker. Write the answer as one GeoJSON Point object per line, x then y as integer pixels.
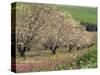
{"type": "Point", "coordinates": [53, 50]}
{"type": "Point", "coordinates": [70, 48]}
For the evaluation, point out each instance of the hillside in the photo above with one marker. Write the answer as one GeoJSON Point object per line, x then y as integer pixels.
{"type": "Point", "coordinates": [86, 14]}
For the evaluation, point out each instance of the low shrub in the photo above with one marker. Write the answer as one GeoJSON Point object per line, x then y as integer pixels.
{"type": "Point", "coordinates": [89, 60]}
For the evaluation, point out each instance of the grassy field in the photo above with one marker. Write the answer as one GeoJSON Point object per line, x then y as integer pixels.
{"type": "Point", "coordinates": [43, 60]}
{"type": "Point", "coordinates": [85, 14]}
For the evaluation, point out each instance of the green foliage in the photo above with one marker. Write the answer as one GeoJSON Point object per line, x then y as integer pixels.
{"type": "Point", "coordinates": [61, 66]}
{"type": "Point", "coordinates": [89, 60]}
{"type": "Point", "coordinates": [85, 14]}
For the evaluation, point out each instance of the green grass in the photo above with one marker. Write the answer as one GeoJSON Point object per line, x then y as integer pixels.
{"type": "Point", "coordinates": [85, 14]}
{"type": "Point", "coordinates": [44, 60]}
{"type": "Point", "coordinates": [89, 60]}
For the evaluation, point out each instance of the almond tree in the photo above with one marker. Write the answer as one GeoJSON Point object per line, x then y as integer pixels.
{"type": "Point", "coordinates": [45, 25]}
